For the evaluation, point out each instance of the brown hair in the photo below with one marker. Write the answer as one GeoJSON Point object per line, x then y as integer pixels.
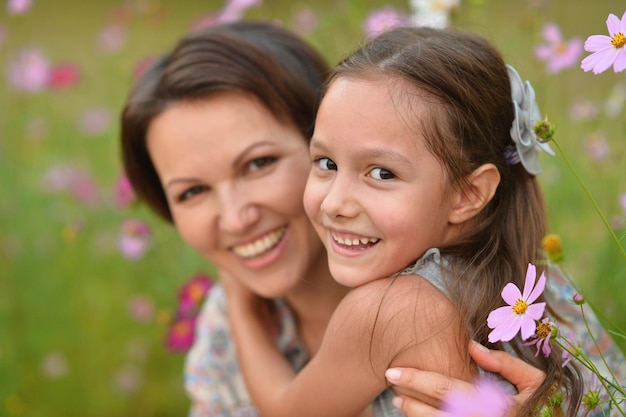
{"type": "Point", "coordinates": [468, 124]}
{"type": "Point", "coordinates": [257, 58]}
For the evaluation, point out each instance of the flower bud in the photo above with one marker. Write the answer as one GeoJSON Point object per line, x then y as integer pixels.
{"type": "Point", "coordinates": [578, 299]}
{"type": "Point", "coordinates": [544, 131]}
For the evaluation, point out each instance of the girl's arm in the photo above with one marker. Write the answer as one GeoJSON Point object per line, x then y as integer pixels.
{"type": "Point", "coordinates": [389, 322]}
{"type": "Point", "coordinates": [415, 382]}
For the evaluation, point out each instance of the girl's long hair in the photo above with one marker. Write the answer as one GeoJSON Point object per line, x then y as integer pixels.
{"type": "Point", "coordinates": [468, 124]}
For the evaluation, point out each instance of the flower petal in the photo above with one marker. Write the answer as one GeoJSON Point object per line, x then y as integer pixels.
{"type": "Point", "coordinates": [506, 331]}
{"type": "Point", "coordinates": [613, 24]}
{"type": "Point", "coordinates": [538, 289]}
{"type": "Point", "coordinates": [499, 316]}
{"type": "Point", "coordinates": [528, 327]}
{"type": "Point", "coordinates": [620, 62]}
{"type": "Point", "coordinates": [531, 274]}
{"type": "Point", "coordinates": [510, 294]}
{"type": "Point", "coordinates": [535, 311]}
{"type": "Point", "coordinates": [596, 43]}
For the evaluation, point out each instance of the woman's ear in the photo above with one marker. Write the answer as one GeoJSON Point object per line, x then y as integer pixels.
{"type": "Point", "coordinates": [477, 191]}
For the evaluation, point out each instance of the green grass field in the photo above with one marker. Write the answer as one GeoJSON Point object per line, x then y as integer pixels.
{"type": "Point", "coordinates": [82, 326]}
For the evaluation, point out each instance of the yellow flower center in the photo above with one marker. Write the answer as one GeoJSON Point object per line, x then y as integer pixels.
{"type": "Point", "coordinates": [520, 307]}
{"type": "Point", "coordinates": [543, 330]}
{"type": "Point", "coordinates": [618, 40]}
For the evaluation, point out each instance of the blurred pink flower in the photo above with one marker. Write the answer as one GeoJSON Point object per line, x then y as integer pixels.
{"type": "Point", "coordinates": [128, 379]}
{"type": "Point", "coordinates": [304, 21]}
{"type": "Point", "coordinates": [233, 11]}
{"type": "Point", "coordinates": [192, 294]}
{"type": "Point", "coordinates": [381, 20]}
{"type": "Point", "coordinates": [112, 38]}
{"type": "Point", "coordinates": [84, 189]}
{"type": "Point", "coordinates": [124, 193]}
{"type": "Point", "coordinates": [141, 309]}
{"type": "Point", "coordinates": [609, 50]}
{"type": "Point", "coordinates": [76, 181]}
{"type": "Point", "coordinates": [134, 239]}
{"type": "Point", "coordinates": [142, 66]}
{"type": "Point", "coordinates": [486, 399]}
{"type": "Point", "coordinates": [29, 71]}
{"type": "Point", "coordinates": [583, 109]}
{"type": "Point", "coordinates": [64, 76]}
{"type": "Point", "coordinates": [181, 334]}
{"type": "Point", "coordinates": [54, 365]}
{"type": "Point", "coordinates": [521, 313]}
{"type": "Point", "coordinates": [597, 146]}
{"type": "Point", "coordinates": [16, 7]}
{"type": "Point", "coordinates": [556, 52]}
{"type": "Point", "coordinates": [95, 121]}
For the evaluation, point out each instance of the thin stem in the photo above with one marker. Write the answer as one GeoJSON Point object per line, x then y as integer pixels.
{"type": "Point", "coordinates": [593, 201]}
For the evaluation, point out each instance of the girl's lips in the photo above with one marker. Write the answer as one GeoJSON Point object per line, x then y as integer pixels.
{"type": "Point", "coordinates": [351, 244]}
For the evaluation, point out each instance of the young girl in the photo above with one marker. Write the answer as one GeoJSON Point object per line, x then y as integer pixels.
{"type": "Point", "coordinates": [423, 191]}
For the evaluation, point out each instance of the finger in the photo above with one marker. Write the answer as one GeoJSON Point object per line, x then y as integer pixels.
{"type": "Point", "coordinates": [422, 385]}
{"type": "Point", "coordinates": [411, 407]}
{"type": "Point", "coordinates": [524, 376]}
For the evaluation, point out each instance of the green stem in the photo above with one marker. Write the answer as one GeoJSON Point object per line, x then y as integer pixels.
{"type": "Point", "coordinates": [593, 201]}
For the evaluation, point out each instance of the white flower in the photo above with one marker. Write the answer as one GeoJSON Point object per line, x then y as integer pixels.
{"type": "Point", "coordinates": [526, 117]}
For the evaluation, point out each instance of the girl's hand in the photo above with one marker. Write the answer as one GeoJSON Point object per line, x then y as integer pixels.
{"type": "Point", "coordinates": [434, 386]}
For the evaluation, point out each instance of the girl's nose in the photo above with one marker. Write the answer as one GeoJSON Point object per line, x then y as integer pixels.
{"type": "Point", "coordinates": [341, 199]}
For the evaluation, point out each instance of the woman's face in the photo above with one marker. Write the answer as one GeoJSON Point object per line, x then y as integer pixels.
{"type": "Point", "coordinates": [234, 179]}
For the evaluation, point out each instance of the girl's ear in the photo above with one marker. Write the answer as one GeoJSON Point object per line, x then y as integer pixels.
{"type": "Point", "coordinates": [476, 193]}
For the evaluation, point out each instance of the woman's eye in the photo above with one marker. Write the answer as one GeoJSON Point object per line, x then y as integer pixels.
{"type": "Point", "coordinates": [326, 164]}
{"type": "Point", "coordinates": [259, 163]}
{"type": "Point", "coordinates": [382, 174]}
{"type": "Point", "coordinates": [190, 192]}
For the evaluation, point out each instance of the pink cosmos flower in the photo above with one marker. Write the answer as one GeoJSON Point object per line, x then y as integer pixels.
{"type": "Point", "coordinates": [134, 238]}
{"type": "Point", "coordinates": [542, 337]}
{"type": "Point", "coordinates": [141, 308]}
{"type": "Point", "coordinates": [95, 121]}
{"type": "Point", "coordinates": [112, 38]}
{"type": "Point", "coordinates": [29, 71]}
{"type": "Point", "coordinates": [381, 20]}
{"type": "Point", "coordinates": [124, 193]}
{"type": "Point", "coordinates": [16, 7]}
{"type": "Point", "coordinates": [181, 334]}
{"type": "Point", "coordinates": [556, 52]}
{"type": "Point", "coordinates": [607, 50]}
{"type": "Point", "coordinates": [64, 76]}
{"type": "Point", "coordinates": [521, 313]}
{"type": "Point", "coordinates": [192, 294]}
{"type": "Point", "coordinates": [487, 399]}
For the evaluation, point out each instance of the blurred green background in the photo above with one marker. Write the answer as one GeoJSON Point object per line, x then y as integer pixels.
{"type": "Point", "coordinates": [83, 320]}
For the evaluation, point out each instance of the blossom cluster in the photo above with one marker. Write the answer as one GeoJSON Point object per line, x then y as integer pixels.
{"type": "Point", "coordinates": [181, 332]}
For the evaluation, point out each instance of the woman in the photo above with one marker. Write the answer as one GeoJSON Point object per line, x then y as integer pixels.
{"type": "Point", "coordinates": [215, 140]}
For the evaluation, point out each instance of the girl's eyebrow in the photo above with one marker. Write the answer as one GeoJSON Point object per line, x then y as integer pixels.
{"type": "Point", "coordinates": [384, 153]}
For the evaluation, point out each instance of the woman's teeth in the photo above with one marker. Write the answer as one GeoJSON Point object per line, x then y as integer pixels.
{"type": "Point", "coordinates": [260, 246]}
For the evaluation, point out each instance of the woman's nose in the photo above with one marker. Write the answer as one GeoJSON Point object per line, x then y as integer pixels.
{"type": "Point", "coordinates": [238, 212]}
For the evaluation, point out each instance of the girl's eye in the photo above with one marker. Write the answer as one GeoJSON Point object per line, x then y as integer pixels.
{"type": "Point", "coordinates": [259, 163]}
{"type": "Point", "coordinates": [382, 174]}
{"type": "Point", "coordinates": [190, 192]}
{"type": "Point", "coordinates": [326, 164]}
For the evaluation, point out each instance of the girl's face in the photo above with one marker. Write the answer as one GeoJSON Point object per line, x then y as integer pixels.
{"type": "Point", "coordinates": [376, 196]}
{"type": "Point", "coordinates": [234, 178]}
